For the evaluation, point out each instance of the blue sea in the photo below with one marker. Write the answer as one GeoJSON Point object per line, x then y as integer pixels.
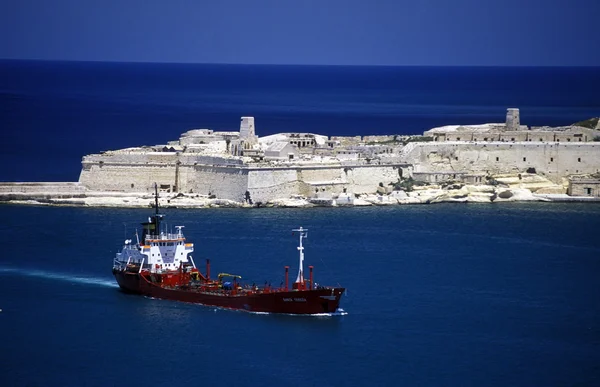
{"type": "Point", "coordinates": [53, 113]}
{"type": "Point", "coordinates": [438, 295]}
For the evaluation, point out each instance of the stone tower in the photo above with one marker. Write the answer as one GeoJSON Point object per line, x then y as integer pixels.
{"type": "Point", "coordinates": [247, 139]}
{"type": "Point", "coordinates": [247, 128]}
{"type": "Point", "coordinates": [512, 119]}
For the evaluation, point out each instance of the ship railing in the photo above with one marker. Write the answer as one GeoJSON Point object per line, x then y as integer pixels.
{"type": "Point", "coordinates": [165, 236]}
{"type": "Point", "coordinates": [120, 264]}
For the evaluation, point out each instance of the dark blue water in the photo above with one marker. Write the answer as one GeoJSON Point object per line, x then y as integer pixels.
{"type": "Point", "coordinates": [53, 113]}
{"type": "Point", "coordinates": [438, 295]}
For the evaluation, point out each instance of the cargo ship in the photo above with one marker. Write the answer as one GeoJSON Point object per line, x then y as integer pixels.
{"type": "Point", "coordinates": [160, 265]}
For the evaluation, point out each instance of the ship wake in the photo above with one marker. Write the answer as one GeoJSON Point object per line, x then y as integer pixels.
{"type": "Point", "coordinates": [338, 312]}
{"type": "Point", "coordinates": [59, 277]}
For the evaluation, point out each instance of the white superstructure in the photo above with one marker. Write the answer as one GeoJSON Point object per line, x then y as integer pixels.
{"type": "Point", "coordinates": [159, 250]}
{"type": "Point", "coordinates": [166, 251]}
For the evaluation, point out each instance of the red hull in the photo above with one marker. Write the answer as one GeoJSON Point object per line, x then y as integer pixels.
{"type": "Point", "coordinates": [315, 301]}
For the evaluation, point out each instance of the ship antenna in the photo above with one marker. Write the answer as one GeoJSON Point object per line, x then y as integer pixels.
{"type": "Point", "coordinates": [303, 233]}
{"type": "Point", "coordinates": [156, 197]}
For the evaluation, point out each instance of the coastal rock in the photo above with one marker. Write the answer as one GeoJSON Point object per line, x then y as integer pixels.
{"type": "Point", "coordinates": [507, 194]}
{"type": "Point", "coordinates": [380, 200]}
{"type": "Point", "coordinates": [223, 203]}
{"type": "Point", "coordinates": [554, 190]}
{"type": "Point", "coordinates": [399, 194]}
{"type": "Point", "coordinates": [517, 194]}
{"type": "Point", "coordinates": [530, 181]}
{"type": "Point", "coordinates": [475, 189]}
{"type": "Point", "coordinates": [290, 202]}
{"type": "Point", "coordinates": [361, 202]}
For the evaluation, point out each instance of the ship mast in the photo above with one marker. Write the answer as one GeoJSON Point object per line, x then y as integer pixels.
{"type": "Point", "coordinates": [157, 216]}
{"type": "Point", "coordinates": [303, 233]}
{"type": "Point", "coordinates": [156, 198]}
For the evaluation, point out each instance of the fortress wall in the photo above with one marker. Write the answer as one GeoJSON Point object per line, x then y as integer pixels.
{"type": "Point", "coordinates": [347, 140]}
{"type": "Point", "coordinates": [385, 138]}
{"type": "Point", "coordinates": [192, 159]}
{"type": "Point", "coordinates": [366, 179]}
{"type": "Point", "coordinates": [271, 183]}
{"type": "Point", "coordinates": [132, 157]}
{"type": "Point", "coordinates": [158, 157]}
{"type": "Point", "coordinates": [573, 134]}
{"type": "Point", "coordinates": [223, 182]}
{"type": "Point", "coordinates": [553, 159]}
{"type": "Point", "coordinates": [334, 173]}
{"type": "Point", "coordinates": [266, 184]}
{"type": "Point", "coordinates": [138, 171]}
{"type": "Point", "coordinates": [49, 188]}
{"type": "Point", "coordinates": [41, 191]}
{"type": "Point", "coordinates": [127, 177]}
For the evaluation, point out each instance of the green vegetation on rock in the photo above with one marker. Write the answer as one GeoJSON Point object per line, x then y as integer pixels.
{"type": "Point", "coordinates": [590, 123]}
{"type": "Point", "coordinates": [408, 184]}
{"type": "Point", "coordinates": [417, 139]}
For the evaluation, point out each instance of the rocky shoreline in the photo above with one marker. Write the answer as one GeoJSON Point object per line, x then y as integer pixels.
{"type": "Point", "coordinates": [501, 188]}
{"type": "Point", "coordinates": [466, 194]}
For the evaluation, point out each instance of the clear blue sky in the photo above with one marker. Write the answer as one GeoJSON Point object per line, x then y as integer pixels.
{"type": "Point", "coordinates": [346, 32]}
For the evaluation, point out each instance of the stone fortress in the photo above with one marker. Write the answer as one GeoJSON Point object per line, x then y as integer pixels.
{"type": "Point", "coordinates": [450, 163]}
{"type": "Point", "coordinates": [241, 167]}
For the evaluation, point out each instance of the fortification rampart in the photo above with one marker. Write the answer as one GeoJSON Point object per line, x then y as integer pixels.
{"type": "Point", "coordinates": [50, 188]}
{"type": "Point", "coordinates": [221, 181]}
{"type": "Point", "coordinates": [141, 157]}
{"type": "Point", "coordinates": [265, 184]}
{"type": "Point", "coordinates": [228, 178]}
{"type": "Point", "coordinates": [280, 182]}
{"type": "Point", "coordinates": [123, 177]}
{"type": "Point", "coordinates": [40, 191]}
{"type": "Point", "coordinates": [555, 160]}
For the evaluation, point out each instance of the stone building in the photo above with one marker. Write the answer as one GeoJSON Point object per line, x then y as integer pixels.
{"type": "Point", "coordinates": [584, 186]}
{"type": "Point", "coordinates": [513, 121]}
{"type": "Point", "coordinates": [282, 150]}
{"type": "Point", "coordinates": [247, 139]}
{"type": "Point", "coordinates": [511, 131]}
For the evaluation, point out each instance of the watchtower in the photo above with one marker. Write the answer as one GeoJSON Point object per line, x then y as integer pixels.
{"type": "Point", "coordinates": [512, 119]}
{"type": "Point", "coordinates": [247, 128]}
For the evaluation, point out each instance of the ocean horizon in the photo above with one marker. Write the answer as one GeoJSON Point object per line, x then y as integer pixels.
{"type": "Point", "coordinates": [55, 112]}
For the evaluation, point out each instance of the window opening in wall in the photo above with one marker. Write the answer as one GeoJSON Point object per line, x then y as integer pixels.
{"type": "Point", "coordinates": [497, 158]}
{"type": "Point", "coordinates": [579, 159]}
{"type": "Point", "coordinates": [512, 139]}
{"type": "Point", "coordinates": [524, 158]}
{"type": "Point", "coordinates": [551, 159]}
{"type": "Point", "coordinates": [540, 140]}
{"type": "Point", "coordinates": [588, 191]}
